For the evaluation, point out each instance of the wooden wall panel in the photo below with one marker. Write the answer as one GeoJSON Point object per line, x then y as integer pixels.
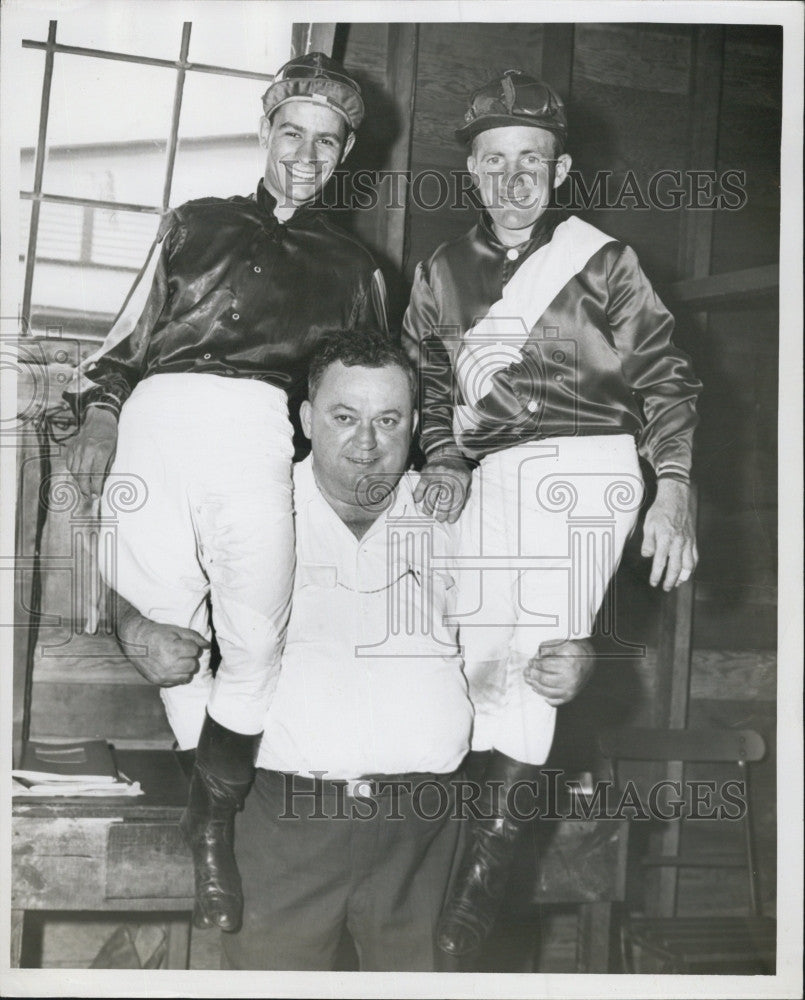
{"type": "Point", "coordinates": [749, 140]}
{"type": "Point", "coordinates": [738, 360]}
{"type": "Point", "coordinates": [617, 131]}
{"type": "Point", "coordinates": [653, 58]}
{"type": "Point", "coordinates": [752, 65]}
{"type": "Point", "coordinates": [365, 58]}
{"type": "Point", "coordinates": [454, 60]}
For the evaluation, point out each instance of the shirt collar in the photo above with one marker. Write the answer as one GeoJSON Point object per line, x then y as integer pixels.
{"type": "Point", "coordinates": [266, 202]}
{"type": "Point", "coordinates": [306, 490]}
{"type": "Point", "coordinates": [541, 232]}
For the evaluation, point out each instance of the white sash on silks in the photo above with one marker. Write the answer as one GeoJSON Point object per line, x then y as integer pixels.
{"type": "Point", "coordinates": [496, 341]}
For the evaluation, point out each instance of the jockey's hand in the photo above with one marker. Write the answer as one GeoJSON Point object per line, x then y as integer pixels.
{"type": "Point", "coordinates": [443, 488]}
{"type": "Point", "coordinates": [91, 451]}
{"type": "Point", "coordinates": [164, 654]}
{"type": "Point", "coordinates": [560, 669]}
{"type": "Point", "coordinates": [668, 535]}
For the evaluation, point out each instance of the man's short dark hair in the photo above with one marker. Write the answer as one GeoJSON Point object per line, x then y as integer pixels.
{"type": "Point", "coordinates": [353, 348]}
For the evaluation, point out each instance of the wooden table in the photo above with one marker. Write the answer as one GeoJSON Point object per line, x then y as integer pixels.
{"type": "Point", "coordinates": [107, 854]}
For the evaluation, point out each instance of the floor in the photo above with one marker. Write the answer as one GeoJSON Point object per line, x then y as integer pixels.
{"type": "Point", "coordinates": [549, 940]}
{"type": "Point", "coordinates": [83, 943]}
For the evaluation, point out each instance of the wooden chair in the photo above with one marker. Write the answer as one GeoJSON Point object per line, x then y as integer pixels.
{"type": "Point", "coordinates": [704, 944]}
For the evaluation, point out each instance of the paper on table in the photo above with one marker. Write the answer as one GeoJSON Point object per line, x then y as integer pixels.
{"type": "Point", "coordinates": [77, 790]}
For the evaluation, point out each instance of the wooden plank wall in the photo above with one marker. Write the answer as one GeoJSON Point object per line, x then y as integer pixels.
{"type": "Point", "coordinates": [737, 466]}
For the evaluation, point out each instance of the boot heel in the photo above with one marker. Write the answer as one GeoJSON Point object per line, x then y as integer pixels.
{"type": "Point", "coordinates": [221, 778]}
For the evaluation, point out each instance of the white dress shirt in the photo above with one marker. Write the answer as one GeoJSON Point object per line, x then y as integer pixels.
{"type": "Point", "coordinates": [371, 679]}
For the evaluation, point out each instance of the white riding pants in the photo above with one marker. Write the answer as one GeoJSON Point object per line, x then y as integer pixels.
{"type": "Point", "coordinates": [539, 541]}
{"type": "Point", "coordinates": [207, 521]}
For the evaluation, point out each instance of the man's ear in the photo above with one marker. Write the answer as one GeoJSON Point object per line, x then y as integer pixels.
{"type": "Point", "coordinates": [265, 129]}
{"type": "Point", "coordinates": [563, 165]}
{"type": "Point", "coordinates": [306, 417]}
{"type": "Point", "coordinates": [349, 142]}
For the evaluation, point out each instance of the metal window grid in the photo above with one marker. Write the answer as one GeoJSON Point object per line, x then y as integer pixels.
{"type": "Point", "coordinates": [37, 196]}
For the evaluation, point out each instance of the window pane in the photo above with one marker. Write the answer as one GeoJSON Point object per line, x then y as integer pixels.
{"type": "Point", "coordinates": [143, 29]}
{"type": "Point", "coordinates": [109, 123]}
{"type": "Point", "coordinates": [86, 262]}
{"type": "Point", "coordinates": [218, 152]}
{"type": "Point", "coordinates": [242, 35]}
{"type": "Point", "coordinates": [25, 121]}
{"type": "Point", "coordinates": [24, 225]}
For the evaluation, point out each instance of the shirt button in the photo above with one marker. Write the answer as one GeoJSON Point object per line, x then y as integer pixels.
{"type": "Point", "coordinates": [559, 357]}
{"type": "Point", "coordinates": [559, 377]}
{"type": "Point", "coordinates": [258, 269]}
{"type": "Point", "coordinates": [512, 254]}
{"type": "Point", "coordinates": [207, 357]}
{"type": "Point", "coordinates": [532, 406]}
{"type": "Point", "coordinates": [236, 316]}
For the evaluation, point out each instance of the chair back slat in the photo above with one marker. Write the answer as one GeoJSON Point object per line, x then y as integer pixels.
{"type": "Point", "coordinates": [682, 744]}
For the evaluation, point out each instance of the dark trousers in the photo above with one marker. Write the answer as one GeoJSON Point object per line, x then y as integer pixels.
{"type": "Point", "coordinates": [318, 862]}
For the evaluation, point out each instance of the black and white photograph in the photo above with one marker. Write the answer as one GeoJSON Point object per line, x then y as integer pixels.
{"type": "Point", "coordinates": [506, 300]}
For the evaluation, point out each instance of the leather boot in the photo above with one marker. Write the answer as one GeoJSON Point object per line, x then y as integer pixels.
{"type": "Point", "coordinates": [221, 778]}
{"type": "Point", "coordinates": [187, 761]}
{"type": "Point", "coordinates": [487, 863]}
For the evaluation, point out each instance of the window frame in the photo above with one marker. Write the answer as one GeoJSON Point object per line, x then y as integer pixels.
{"type": "Point", "coordinates": [38, 197]}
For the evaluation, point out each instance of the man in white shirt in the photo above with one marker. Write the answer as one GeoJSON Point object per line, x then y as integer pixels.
{"type": "Point", "coordinates": [352, 820]}
{"type": "Point", "coordinates": [371, 685]}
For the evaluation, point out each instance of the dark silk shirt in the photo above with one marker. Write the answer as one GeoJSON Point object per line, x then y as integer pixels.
{"type": "Point", "coordinates": [599, 360]}
{"type": "Point", "coordinates": [238, 293]}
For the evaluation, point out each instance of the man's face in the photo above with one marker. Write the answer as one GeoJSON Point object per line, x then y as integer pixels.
{"type": "Point", "coordinates": [513, 167]}
{"type": "Point", "coordinates": [305, 143]}
{"type": "Point", "coordinates": [360, 425]}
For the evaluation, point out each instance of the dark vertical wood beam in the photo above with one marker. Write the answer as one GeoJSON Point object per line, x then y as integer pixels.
{"type": "Point", "coordinates": [674, 647]}
{"type": "Point", "coordinates": [312, 37]}
{"type": "Point", "coordinates": [556, 66]}
{"type": "Point", "coordinates": [693, 261]}
{"type": "Point", "coordinates": [696, 229]}
{"type": "Point", "coordinates": [401, 65]}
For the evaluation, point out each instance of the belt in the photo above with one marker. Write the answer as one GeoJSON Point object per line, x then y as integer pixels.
{"type": "Point", "coordinates": [367, 786]}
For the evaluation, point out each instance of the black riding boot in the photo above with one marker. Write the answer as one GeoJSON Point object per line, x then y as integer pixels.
{"type": "Point", "coordinates": [481, 881]}
{"type": "Point", "coordinates": [221, 778]}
